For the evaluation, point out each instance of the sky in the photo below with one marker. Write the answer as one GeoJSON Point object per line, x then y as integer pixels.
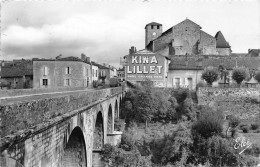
{"type": "Point", "coordinates": [104, 30]}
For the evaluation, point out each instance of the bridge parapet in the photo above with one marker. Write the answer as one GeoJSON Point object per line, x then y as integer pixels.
{"type": "Point", "coordinates": [27, 114]}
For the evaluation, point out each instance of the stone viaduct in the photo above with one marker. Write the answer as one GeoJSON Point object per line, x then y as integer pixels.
{"type": "Point", "coordinates": [62, 131]}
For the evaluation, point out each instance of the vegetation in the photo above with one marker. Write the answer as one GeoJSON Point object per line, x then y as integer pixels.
{"type": "Point", "coordinates": [113, 82]}
{"type": "Point", "coordinates": [239, 74]}
{"type": "Point", "coordinates": [180, 133]}
{"type": "Point", "coordinates": [232, 125]}
{"type": "Point", "coordinates": [257, 76]}
{"type": "Point", "coordinates": [210, 75]}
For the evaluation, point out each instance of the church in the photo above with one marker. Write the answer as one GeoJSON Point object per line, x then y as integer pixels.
{"type": "Point", "coordinates": [185, 38]}
{"type": "Point", "coordinates": [184, 50]}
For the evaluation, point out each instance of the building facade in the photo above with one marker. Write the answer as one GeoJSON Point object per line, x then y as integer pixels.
{"type": "Point", "coordinates": [16, 74]}
{"type": "Point", "coordinates": [144, 64]}
{"type": "Point", "coordinates": [63, 72]}
{"type": "Point", "coordinates": [189, 51]}
{"type": "Point", "coordinates": [121, 74]}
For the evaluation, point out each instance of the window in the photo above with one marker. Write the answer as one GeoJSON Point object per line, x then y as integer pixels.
{"type": "Point", "coordinates": [190, 83]}
{"type": "Point", "coordinates": [93, 72]}
{"type": "Point", "coordinates": [45, 70]}
{"type": "Point", "coordinates": [102, 73]}
{"type": "Point", "coordinates": [87, 71]}
{"type": "Point", "coordinates": [45, 82]}
{"type": "Point", "coordinates": [152, 26]}
{"type": "Point", "coordinates": [177, 82]}
{"type": "Point", "coordinates": [68, 70]}
{"type": "Point", "coordinates": [96, 73]}
{"type": "Point", "coordinates": [158, 27]}
{"type": "Point", "coordinates": [67, 82]}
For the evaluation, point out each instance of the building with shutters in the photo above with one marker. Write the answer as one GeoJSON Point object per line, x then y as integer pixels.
{"type": "Point", "coordinates": [62, 72]}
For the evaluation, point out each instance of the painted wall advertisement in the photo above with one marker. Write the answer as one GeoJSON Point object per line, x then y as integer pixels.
{"type": "Point", "coordinates": [140, 67]}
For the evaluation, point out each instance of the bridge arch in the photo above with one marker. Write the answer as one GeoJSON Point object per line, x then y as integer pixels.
{"type": "Point", "coordinates": [116, 110]}
{"type": "Point", "coordinates": [110, 120]}
{"type": "Point", "coordinates": [75, 150]}
{"type": "Point", "coordinates": [98, 132]}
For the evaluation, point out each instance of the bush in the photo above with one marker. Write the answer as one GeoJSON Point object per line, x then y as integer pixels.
{"type": "Point", "coordinates": [257, 76]}
{"type": "Point", "coordinates": [119, 125]}
{"type": "Point", "coordinates": [254, 150]}
{"type": "Point", "coordinates": [239, 74]}
{"type": "Point", "coordinates": [180, 94]}
{"type": "Point", "coordinates": [127, 142]}
{"type": "Point", "coordinates": [113, 82]}
{"type": "Point", "coordinates": [220, 152]}
{"type": "Point", "coordinates": [209, 124]}
{"type": "Point", "coordinates": [210, 75]}
{"type": "Point", "coordinates": [245, 129]}
{"type": "Point", "coordinates": [200, 84]}
{"type": "Point", "coordinates": [234, 121]}
{"type": "Point", "coordinates": [254, 126]}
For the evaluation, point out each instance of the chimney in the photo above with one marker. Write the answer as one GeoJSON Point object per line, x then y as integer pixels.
{"type": "Point", "coordinates": [88, 59]}
{"type": "Point", "coordinates": [83, 57]}
{"type": "Point", "coordinates": [132, 50]}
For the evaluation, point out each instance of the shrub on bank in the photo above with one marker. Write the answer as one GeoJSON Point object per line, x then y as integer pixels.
{"type": "Point", "coordinates": [209, 124]}
{"type": "Point", "coordinates": [245, 129]}
{"type": "Point", "coordinates": [254, 126]}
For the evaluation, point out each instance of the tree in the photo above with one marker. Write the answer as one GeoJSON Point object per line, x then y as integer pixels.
{"type": "Point", "coordinates": [210, 75]}
{"type": "Point", "coordinates": [257, 76]}
{"type": "Point", "coordinates": [239, 74]}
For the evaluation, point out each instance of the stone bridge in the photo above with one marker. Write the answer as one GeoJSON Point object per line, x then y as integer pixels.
{"type": "Point", "coordinates": [67, 130]}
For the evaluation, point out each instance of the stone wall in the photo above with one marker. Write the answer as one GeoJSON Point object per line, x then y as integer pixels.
{"type": "Point", "coordinates": [62, 140]}
{"type": "Point", "coordinates": [235, 101]}
{"type": "Point", "coordinates": [21, 92]}
{"type": "Point", "coordinates": [23, 115]}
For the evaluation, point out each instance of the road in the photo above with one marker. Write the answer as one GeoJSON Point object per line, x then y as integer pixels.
{"type": "Point", "coordinates": [22, 98]}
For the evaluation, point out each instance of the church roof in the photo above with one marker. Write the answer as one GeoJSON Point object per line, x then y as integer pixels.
{"type": "Point", "coordinates": [187, 21]}
{"type": "Point", "coordinates": [194, 63]}
{"type": "Point", "coordinates": [221, 41]}
{"type": "Point", "coordinates": [153, 23]}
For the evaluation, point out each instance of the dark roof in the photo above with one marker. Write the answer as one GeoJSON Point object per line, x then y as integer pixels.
{"type": "Point", "coordinates": [99, 65]}
{"type": "Point", "coordinates": [153, 23]}
{"type": "Point", "coordinates": [253, 52]}
{"type": "Point", "coordinates": [221, 41]}
{"type": "Point", "coordinates": [7, 72]}
{"type": "Point", "coordinates": [71, 58]}
{"type": "Point", "coordinates": [195, 63]}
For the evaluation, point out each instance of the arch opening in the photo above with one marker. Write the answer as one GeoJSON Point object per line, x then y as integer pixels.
{"type": "Point", "coordinates": [98, 133]}
{"type": "Point", "coordinates": [120, 109]}
{"type": "Point", "coordinates": [116, 110]}
{"type": "Point", "coordinates": [110, 120]}
{"type": "Point", "coordinates": [75, 150]}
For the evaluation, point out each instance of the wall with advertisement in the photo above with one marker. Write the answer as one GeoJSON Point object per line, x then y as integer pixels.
{"type": "Point", "coordinates": [145, 65]}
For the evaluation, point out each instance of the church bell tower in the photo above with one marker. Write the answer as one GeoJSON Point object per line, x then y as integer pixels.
{"type": "Point", "coordinates": [152, 31]}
